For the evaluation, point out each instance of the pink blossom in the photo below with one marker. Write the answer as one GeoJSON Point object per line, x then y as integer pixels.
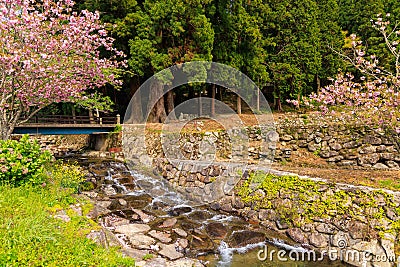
{"type": "Point", "coordinates": [294, 102]}
{"type": "Point", "coordinates": [50, 54]}
{"type": "Point", "coordinates": [4, 169]}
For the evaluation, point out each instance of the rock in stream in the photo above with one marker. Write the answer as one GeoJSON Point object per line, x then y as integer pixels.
{"type": "Point", "coordinates": [155, 224]}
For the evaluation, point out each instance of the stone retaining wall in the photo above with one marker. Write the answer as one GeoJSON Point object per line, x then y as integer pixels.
{"type": "Point", "coordinates": [210, 167]}
{"type": "Point", "coordinates": [200, 181]}
{"type": "Point", "coordinates": [315, 213]}
{"type": "Point", "coordinates": [234, 145]}
{"type": "Point", "coordinates": [343, 145]}
{"type": "Point", "coordinates": [338, 144]}
{"type": "Point", "coordinates": [61, 145]}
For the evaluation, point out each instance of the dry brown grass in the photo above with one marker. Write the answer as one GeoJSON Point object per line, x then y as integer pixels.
{"type": "Point", "coordinates": [306, 163]}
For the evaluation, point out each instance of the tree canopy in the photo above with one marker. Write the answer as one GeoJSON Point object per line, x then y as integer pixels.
{"type": "Point", "coordinates": [289, 48]}
{"type": "Point", "coordinates": [282, 45]}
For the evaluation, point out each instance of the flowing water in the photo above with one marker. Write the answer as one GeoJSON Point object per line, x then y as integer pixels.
{"type": "Point", "coordinates": [218, 239]}
{"type": "Point", "coordinates": [249, 256]}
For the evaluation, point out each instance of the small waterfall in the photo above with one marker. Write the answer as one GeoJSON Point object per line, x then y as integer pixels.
{"type": "Point", "coordinates": [159, 189]}
{"type": "Point", "coordinates": [226, 253]}
{"type": "Point", "coordinates": [119, 187]}
{"type": "Point", "coordinates": [138, 198]}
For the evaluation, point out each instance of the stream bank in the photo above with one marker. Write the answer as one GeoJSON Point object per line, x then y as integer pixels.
{"type": "Point", "coordinates": [156, 225]}
{"type": "Point", "coordinates": [373, 227]}
{"type": "Point", "coordinates": [318, 214]}
{"type": "Point", "coordinates": [153, 223]}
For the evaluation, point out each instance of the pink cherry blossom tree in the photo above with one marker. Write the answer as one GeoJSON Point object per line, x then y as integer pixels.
{"type": "Point", "coordinates": [373, 97]}
{"type": "Point", "coordinates": [48, 53]}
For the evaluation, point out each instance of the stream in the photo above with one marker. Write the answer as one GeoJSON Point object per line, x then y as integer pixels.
{"type": "Point", "coordinates": [128, 200]}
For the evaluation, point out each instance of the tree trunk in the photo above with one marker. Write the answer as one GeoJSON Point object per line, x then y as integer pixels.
{"type": "Point", "coordinates": [277, 99]}
{"type": "Point", "coordinates": [318, 81]}
{"type": "Point", "coordinates": [91, 118]}
{"type": "Point", "coordinates": [298, 100]}
{"type": "Point", "coordinates": [156, 107]}
{"type": "Point", "coordinates": [209, 90]}
{"type": "Point", "coordinates": [9, 131]}
{"type": "Point", "coordinates": [239, 105]}
{"type": "Point", "coordinates": [3, 131]}
{"type": "Point", "coordinates": [278, 105]}
{"type": "Point", "coordinates": [7, 126]}
{"type": "Point", "coordinates": [136, 115]}
{"type": "Point", "coordinates": [220, 93]}
{"type": "Point", "coordinates": [213, 100]}
{"type": "Point", "coordinates": [170, 105]}
{"type": "Point", "coordinates": [73, 113]}
{"type": "Point", "coordinates": [200, 105]}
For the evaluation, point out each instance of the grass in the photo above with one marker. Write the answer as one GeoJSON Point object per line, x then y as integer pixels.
{"type": "Point", "coordinates": [30, 236]}
{"type": "Point", "coordinates": [147, 257]}
{"type": "Point", "coordinates": [390, 184]}
{"type": "Point", "coordinates": [307, 163]}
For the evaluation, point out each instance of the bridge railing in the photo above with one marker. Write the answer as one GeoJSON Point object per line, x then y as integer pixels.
{"type": "Point", "coordinates": [66, 119]}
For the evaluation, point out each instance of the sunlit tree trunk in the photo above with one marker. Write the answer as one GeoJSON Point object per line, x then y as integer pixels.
{"type": "Point", "coordinates": [318, 81]}
{"type": "Point", "coordinates": [74, 114]}
{"type": "Point", "coordinates": [200, 105]}
{"type": "Point", "coordinates": [91, 118]}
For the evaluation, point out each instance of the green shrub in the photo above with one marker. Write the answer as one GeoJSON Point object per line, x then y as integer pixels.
{"type": "Point", "coordinates": [22, 162]}
{"type": "Point", "coordinates": [65, 175]}
{"type": "Point", "coordinates": [118, 128]}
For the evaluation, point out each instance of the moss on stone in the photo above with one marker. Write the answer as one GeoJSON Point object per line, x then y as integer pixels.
{"type": "Point", "coordinates": [316, 200]}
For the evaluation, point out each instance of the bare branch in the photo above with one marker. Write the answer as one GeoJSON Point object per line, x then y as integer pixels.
{"type": "Point", "coordinates": [353, 63]}
{"type": "Point", "coordinates": [30, 116]}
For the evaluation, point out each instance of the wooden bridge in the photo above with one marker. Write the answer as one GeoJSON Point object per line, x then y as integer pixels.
{"type": "Point", "coordinates": [62, 124]}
